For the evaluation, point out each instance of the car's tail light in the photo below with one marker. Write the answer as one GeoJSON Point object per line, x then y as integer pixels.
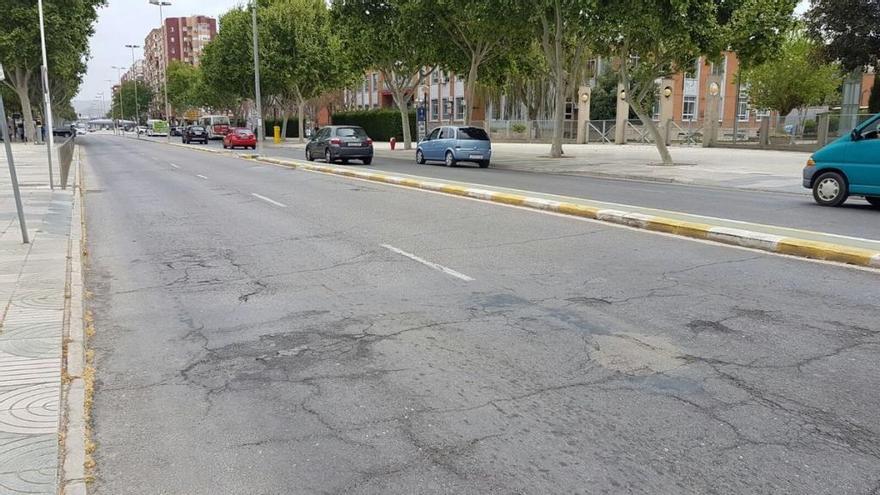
{"type": "Point", "coordinates": [369, 142]}
{"type": "Point", "coordinates": [335, 142]}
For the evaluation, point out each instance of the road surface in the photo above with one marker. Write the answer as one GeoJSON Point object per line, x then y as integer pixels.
{"type": "Point", "coordinates": [262, 330]}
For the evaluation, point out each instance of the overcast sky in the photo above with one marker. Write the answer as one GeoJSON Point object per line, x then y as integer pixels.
{"type": "Point", "coordinates": [124, 22]}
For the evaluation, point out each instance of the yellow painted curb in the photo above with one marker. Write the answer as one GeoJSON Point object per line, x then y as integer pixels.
{"type": "Point", "coordinates": [826, 251]}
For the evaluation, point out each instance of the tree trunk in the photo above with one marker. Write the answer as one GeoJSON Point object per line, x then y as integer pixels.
{"type": "Point", "coordinates": [469, 89]}
{"type": "Point", "coordinates": [284, 118]}
{"type": "Point", "coordinates": [558, 117]}
{"type": "Point", "coordinates": [659, 141]}
{"type": "Point", "coordinates": [301, 111]}
{"type": "Point", "coordinates": [404, 121]}
{"type": "Point", "coordinates": [20, 85]}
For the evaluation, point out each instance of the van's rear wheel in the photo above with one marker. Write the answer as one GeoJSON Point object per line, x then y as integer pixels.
{"type": "Point", "coordinates": [874, 200]}
{"type": "Point", "coordinates": [830, 189]}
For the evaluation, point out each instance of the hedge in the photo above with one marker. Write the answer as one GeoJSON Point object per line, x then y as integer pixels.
{"type": "Point", "coordinates": [380, 124]}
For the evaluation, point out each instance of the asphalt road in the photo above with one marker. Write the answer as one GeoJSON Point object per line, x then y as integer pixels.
{"type": "Point", "coordinates": [856, 218]}
{"type": "Point", "coordinates": [262, 330]}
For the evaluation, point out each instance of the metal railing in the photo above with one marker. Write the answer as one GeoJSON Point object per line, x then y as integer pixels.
{"type": "Point", "coordinates": [65, 155]}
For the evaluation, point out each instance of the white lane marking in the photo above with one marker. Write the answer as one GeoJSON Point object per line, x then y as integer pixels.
{"type": "Point", "coordinates": [201, 176]}
{"type": "Point", "coordinates": [435, 266]}
{"type": "Point", "coordinates": [269, 200]}
{"type": "Point", "coordinates": [175, 166]}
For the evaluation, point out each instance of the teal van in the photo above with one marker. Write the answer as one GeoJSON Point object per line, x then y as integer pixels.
{"type": "Point", "coordinates": [849, 166]}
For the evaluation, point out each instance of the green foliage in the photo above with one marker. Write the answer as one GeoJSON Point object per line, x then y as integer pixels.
{"type": "Point", "coordinates": [518, 128]}
{"type": "Point", "coordinates": [874, 99]}
{"type": "Point", "coordinates": [381, 124]}
{"type": "Point", "coordinates": [184, 86]}
{"type": "Point", "coordinates": [794, 78]}
{"type": "Point", "coordinates": [603, 100]}
{"type": "Point", "coordinates": [847, 31]}
{"type": "Point", "coordinates": [123, 102]}
{"type": "Point", "coordinates": [810, 126]}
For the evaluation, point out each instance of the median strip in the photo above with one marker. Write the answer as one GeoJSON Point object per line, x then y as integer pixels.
{"type": "Point", "coordinates": [806, 248]}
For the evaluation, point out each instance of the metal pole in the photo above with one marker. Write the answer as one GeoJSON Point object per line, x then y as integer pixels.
{"type": "Point", "coordinates": [137, 117]}
{"type": "Point", "coordinates": [121, 104]}
{"type": "Point", "coordinates": [162, 3]}
{"type": "Point", "coordinates": [258, 102]}
{"type": "Point", "coordinates": [46, 96]}
{"type": "Point", "coordinates": [13, 177]}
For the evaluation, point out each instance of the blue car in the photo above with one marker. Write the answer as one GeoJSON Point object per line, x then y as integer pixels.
{"type": "Point", "coordinates": [453, 144]}
{"type": "Point", "coordinates": [849, 166]}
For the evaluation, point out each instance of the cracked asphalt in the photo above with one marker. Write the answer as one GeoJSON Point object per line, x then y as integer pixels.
{"type": "Point", "coordinates": [244, 347]}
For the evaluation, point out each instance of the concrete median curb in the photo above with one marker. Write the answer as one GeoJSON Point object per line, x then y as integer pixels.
{"type": "Point", "coordinates": [725, 235]}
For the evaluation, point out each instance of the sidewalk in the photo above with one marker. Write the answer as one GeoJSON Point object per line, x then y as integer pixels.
{"type": "Point", "coordinates": [32, 293]}
{"type": "Point", "coordinates": [723, 167]}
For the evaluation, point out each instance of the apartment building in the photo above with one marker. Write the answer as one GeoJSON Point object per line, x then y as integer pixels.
{"type": "Point", "coordinates": [135, 72]}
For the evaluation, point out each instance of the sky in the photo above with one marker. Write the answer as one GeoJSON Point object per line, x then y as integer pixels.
{"type": "Point", "coordinates": [124, 22]}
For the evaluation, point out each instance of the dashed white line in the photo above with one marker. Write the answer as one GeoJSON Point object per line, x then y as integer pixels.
{"type": "Point", "coordinates": [430, 264]}
{"type": "Point", "coordinates": [269, 200]}
{"type": "Point", "coordinates": [201, 176]}
{"type": "Point", "coordinates": [175, 166]}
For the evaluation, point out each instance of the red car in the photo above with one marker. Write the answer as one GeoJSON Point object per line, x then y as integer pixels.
{"type": "Point", "coordinates": [240, 137]}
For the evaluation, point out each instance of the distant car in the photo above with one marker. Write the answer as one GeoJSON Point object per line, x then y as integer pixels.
{"type": "Point", "coordinates": [193, 133]}
{"type": "Point", "coordinates": [848, 166]}
{"type": "Point", "coordinates": [177, 130]}
{"type": "Point", "coordinates": [81, 131]}
{"type": "Point", "coordinates": [341, 142]}
{"type": "Point", "coordinates": [453, 144]}
{"type": "Point", "coordinates": [240, 138]}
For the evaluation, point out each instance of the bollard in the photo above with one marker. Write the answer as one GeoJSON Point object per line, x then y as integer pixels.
{"type": "Point", "coordinates": [393, 142]}
{"type": "Point", "coordinates": [277, 135]}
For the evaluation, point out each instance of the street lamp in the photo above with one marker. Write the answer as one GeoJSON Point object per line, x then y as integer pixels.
{"type": "Point", "coordinates": [121, 104]}
{"type": "Point", "coordinates": [160, 4]}
{"type": "Point", "coordinates": [260, 132]}
{"type": "Point", "coordinates": [46, 96]}
{"type": "Point", "coordinates": [137, 111]}
{"type": "Point", "coordinates": [112, 110]}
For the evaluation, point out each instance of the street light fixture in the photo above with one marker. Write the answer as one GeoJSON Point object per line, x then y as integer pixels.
{"type": "Point", "coordinates": [121, 104]}
{"type": "Point", "coordinates": [46, 96]}
{"type": "Point", "coordinates": [137, 111]}
{"type": "Point", "coordinates": [160, 4]}
{"type": "Point", "coordinates": [257, 102]}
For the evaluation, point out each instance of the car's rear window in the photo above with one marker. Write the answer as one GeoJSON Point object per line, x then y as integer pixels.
{"type": "Point", "coordinates": [197, 128]}
{"type": "Point", "coordinates": [474, 133]}
{"type": "Point", "coordinates": [356, 132]}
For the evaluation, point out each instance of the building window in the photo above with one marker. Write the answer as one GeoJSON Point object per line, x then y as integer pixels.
{"type": "Point", "coordinates": [365, 85]}
{"type": "Point", "coordinates": [742, 106]}
{"type": "Point", "coordinates": [761, 114]}
{"type": "Point", "coordinates": [375, 82]}
{"type": "Point", "coordinates": [655, 111]}
{"type": "Point", "coordinates": [718, 69]}
{"type": "Point", "coordinates": [435, 109]}
{"type": "Point", "coordinates": [447, 109]}
{"type": "Point", "coordinates": [459, 108]}
{"type": "Point", "coordinates": [435, 76]}
{"type": "Point", "coordinates": [689, 108]}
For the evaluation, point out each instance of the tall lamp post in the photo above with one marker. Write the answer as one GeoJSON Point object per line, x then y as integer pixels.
{"type": "Point", "coordinates": [121, 105]}
{"type": "Point", "coordinates": [257, 102]}
{"type": "Point", "coordinates": [164, 3]}
{"type": "Point", "coordinates": [47, 99]}
{"type": "Point", "coordinates": [137, 111]}
{"type": "Point", "coordinates": [4, 133]}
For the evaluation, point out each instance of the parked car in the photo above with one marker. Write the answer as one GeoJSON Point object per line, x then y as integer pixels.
{"type": "Point", "coordinates": [454, 144]}
{"type": "Point", "coordinates": [194, 133]}
{"type": "Point", "coordinates": [341, 143]}
{"type": "Point", "coordinates": [177, 130]}
{"type": "Point", "coordinates": [848, 166]}
{"type": "Point", "coordinates": [240, 137]}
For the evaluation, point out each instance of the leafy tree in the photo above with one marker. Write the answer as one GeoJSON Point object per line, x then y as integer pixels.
{"type": "Point", "coordinates": [184, 82]}
{"type": "Point", "coordinates": [564, 33]}
{"type": "Point", "coordinates": [68, 26]}
{"type": "Point", "coordinates": [477, 32]}
{"type": "Point", "coordinates": [874, 99]}
{"type": "Point", "coordinates": [123, 102]}
{"type": "Point", "coordinates": [847, 29]}
{"type": "Point", "coordinates": [374, 32]}
{"type": "Point", "coordinates": [307, 56]}
{"type": "Point", "coordinates": [794, 79]}
{"type": "Point", "coordinates": [651, 39]}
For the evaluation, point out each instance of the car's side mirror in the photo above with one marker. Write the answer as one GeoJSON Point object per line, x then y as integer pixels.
{"type": "Point", "coordinates": [855, 135]}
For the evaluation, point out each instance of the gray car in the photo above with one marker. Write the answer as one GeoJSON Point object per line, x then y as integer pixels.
{"type": "Point", "coordinates": [340, 143]}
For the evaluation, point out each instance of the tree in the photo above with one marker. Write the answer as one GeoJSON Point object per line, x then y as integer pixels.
{"type": "Point", "coordinates": [476, 33]}
{"type": "Point", "coordinates": [183, 86]}
{"type": "Point", "coordinates": [847, 30]}
{"type": "Point", "coordinates": [652, 39]}
{"type": "Point", "coordinates": [793, 79]}
{"type": "Point", "coordinates": [68, 26]}
{"type": "Point", "coordinates": [874, 99]}
{"type": "Point", "coordinates": [376, 30]}
{"type": "Point", "coordinates": [564, 34]}
{"type": "Point", "coordinates": [307, 57]}
{"type": "Point", "coordinates": [123, 102]}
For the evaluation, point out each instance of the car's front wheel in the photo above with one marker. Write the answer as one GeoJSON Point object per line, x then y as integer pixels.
{"type": "Point", "coordinates": [484, 164]}
{"type": "Point", "coordinates": [830, 189]}
{"type": "Point", "coordinates": [309, 156]}
{"type": "Point", "coordinates": [420, 157]}
{"type": "Point", "coordinates": [874, 200]}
